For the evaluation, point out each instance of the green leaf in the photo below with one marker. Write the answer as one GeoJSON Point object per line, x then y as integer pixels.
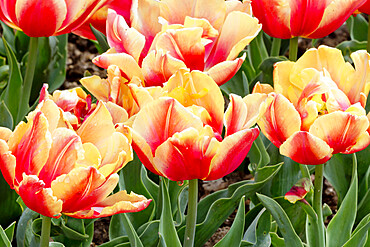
{"type": "Point", "coordinates": [344, 219]}
{"type": "Point", "coordinates": [11, 95]}
{"type": "Point", "coordinates": [55, 244]}
{"type": "Point", "coordinates": [257, 234]}
{"type": "Point", "coordinates": [276, 241]}
{"type": "Point", "coordinates": [4, 239]}
{"type": "Point", "coordinates": [347, 47]}
{"type": "Point", "coordinates": [235, 234]}
{"type": "Point", "coordinates": [285, 226]}
{"type": "Point", "coordinates": [214, 209]}
{"type": "Point", "coordinates": [116, 242]}
{"type": "Point", "coordinates": [238, 84]}
{"type": "Point", "coordinates": [131, 233]}
{"type": "Point", "coordinates": [6, 119]}
{"type": "Point", "coordinates": [103, 45]}
{"type": "Point", "coordinates": [267, 67]}
{"type": "Point", "coordinates": [21, 44]}
{"type": "Point", "coordinates": [257, 154]}
{"type": "Point", "coordinates": [166, 225]}
{"type": "Point", "coordinates": [357, 27]}
{"type": "Point", "coordinates": [24, 232]}
{"type": "Point", "coordinates": [359, 236]}
{"type": "Point", "coordinates": [363, 207]}
{"type": "Point", "coordinates": [9, 35]}
{"type": "Point", "coordinates": [148, 233]}
{"type": "Point", "coordinates": [179, 200]}
{"type": "Point", "coordinates": [338, 173]}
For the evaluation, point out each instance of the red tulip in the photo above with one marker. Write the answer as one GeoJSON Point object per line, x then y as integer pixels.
{"type": "Point", "coordinates": [285, 19]}
{"type": "Point", "coordinates": [38, 18]}
{"type": "Point", "coordinates": [365, 8]}
{"type": "Point", "coordinates": [57, 170]}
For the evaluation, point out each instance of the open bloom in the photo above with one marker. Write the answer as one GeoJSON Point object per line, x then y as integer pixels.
{"type": "Point", "coordinates": [47, 18]}
{"type": "Point", "coordinates": [203, 36]}
{"type": "Point", "coordinates": [99, 19]}
{"type": "Point", "coordinates": [316, 108]}
{"type": "Point", "coordinates": [172, 140]}
{"type": "Point", "coordinates": [285, 19]}
{"type": "Point", "coordinates": [57, 170]}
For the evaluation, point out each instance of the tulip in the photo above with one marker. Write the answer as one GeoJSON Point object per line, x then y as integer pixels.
{"type": "Point", "coordinates": [99, 19]}
{"type": "Point", "coordinates": [316, 108]}
{"type": "Point", "coordinates": [56, 169]}
{"type": "Point", "coordinates": [310, 19]}
{"type": "Point", "coordinates": [197, 39]}
{"type": "Point", "coordinates": [38, 18]}
{"type": "Point", "coordinates": [172, 141]}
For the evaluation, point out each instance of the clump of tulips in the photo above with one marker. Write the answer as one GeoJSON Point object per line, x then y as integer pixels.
{"type": "Point", "coordinates": [194, 90]}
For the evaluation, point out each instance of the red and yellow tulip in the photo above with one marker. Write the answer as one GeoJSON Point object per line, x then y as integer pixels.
{"type": "Point", "coordinates": [299, 190]}
{"type": "Point", "coordinates": [286, 19]}
{"type": "Point", "coordinates": [172, 140]}
{"type": "Point", "coordinates": [56, 169]}
{"type": "Point", "coordinates": [99, 19]}
{"type": "Point", "coordinates": [197, 39]}
{"type": "Point", "coordinates": [316, 108]}
{"type": "Point", "coordinates": [38, 18]}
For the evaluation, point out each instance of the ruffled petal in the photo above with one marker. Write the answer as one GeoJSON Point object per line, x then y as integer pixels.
{"type": "Point", "coordinates": [340, 130]}
{"type": "Point", "coordinates": [82, 188]}
{"type": "Point", "coordinates": [224, 71]}
{"type": "Point", "coordinates": [5, 133]}
{"type": "Point", "coordinates": [120, 202]}
{"type": "Point", "coordinates": [7, 163]}
{"type": "Point", "coordinates": [38, 198]}
{"type": "Point", "coordinates": [305, 148]}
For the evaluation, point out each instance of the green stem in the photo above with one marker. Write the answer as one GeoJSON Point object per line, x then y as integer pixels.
{"type": "Point", "coordinates": [368, 38]}
{"type": "Point", "coordinates": [275, 47]}
{"type": "Point", "coordinates": [293, 49]}
{"type": "Point", "coordinates": [191, 217]}
{"type": "Point", "coordinates": [45, 231]}
{"type": "Point", "coordinates": [317, 203]}
{"type": "Point", "coordinates": [28, 79]}
{"type": "Point", "coordinates": [304, 170]}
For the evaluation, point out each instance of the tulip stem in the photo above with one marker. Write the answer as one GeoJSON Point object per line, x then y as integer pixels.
{"type": "Point", "coordinates": [191, 217]}
{"type": "Point", "coordinates": [317, 202]}
{"type": "Point", "coordinates": [28, 79]}
{"type": "Point", "coordinates": [45, 231]}
{"type": "Point", "coordinates": [368, 38]}
{"type": "Point", "coordinates": [275, 47]}
{"type": "Point", "coordinates": [293, 49]}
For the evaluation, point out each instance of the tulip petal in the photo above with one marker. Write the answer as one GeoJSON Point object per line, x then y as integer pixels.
{"type": "Point", "coordinates": [120, 202]}
{"type": "Point", "coordinates": [278, 14]}
{"type": "Point", "coordinates": [197, 88]}
{"type": "Point", "coordinates": [299, 190]}
{"type": "Point", "coordinates": [65, 150]}
{"type": "Point", "coordinates": [7, 163]}
{"type": "Point", "coordinates": [233, 39]}
{"type": "Point", "coordinates": [98, 87]}
{"type": "Point", "coordinates": [184, 44]}
{"type": "Point", "coordinates": [280, 121]}
{"type": "Point", "coordinates": [224, 71]}
{"type": "Point", "coordinates": [335, 14]}
{"type": "Point", "coordinates": [175, 12]}
{"type": "Point", "coordinates": [161, 119]}
{"type": "Point", "coordinates": [97, 127]}
{"type": "Point", "coordinates": [38, 198]}
{"type": "Point", "coordinates": [82, 188]}
{"type": "Point", "coordinates": [125, 62]}
{"type": "Point", "coordinates": [244, 113]}
{"type": "Point", "coordinates": [122, 37]}
{"type": "Point", "coordinates": [187, 155]}
{"type": "Point", "coordinates": [5, 133]}
{"type": "Point", "coordinates": [341, 130]}
{"type": "Point", "coordinates": [231, 153]}
{"type": "Point", "coordinates": [30, 144]}
{"type": "Point", "coordinates": [158, 67]}
{"type": "Point", "coordinates": [35, 13]}
{"type": "Point", "coordinates": [305, 148]}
